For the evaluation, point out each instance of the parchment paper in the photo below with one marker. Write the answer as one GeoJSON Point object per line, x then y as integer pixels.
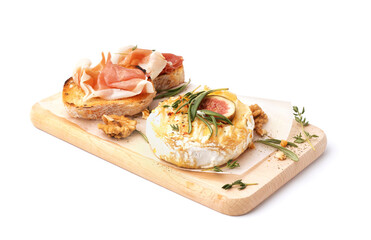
{"type": "Point", "coordinates": [278, 126]}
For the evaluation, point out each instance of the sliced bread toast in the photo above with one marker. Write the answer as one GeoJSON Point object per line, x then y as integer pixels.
{"type": "Point", "coordinates": [169, 80]}
{"type": "Point", "coordinates": [94, 108]}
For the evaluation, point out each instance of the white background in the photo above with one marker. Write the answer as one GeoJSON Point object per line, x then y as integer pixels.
{"type": "Point", "coordinates": [315, 54]}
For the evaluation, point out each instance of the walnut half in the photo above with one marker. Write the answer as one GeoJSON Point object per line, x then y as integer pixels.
{"type": "Point", "coordinates": [117, 126]}
{"type": "Point", "coordinates": [260, 118]}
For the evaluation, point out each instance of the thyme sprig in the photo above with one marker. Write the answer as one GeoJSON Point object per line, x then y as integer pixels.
{"type": "Point", "coordinates": [217, 169]}
{"type": "Point", "coordinates": [231, 164]}
{"type": "Point", "coordinates": [175, 127]}
{"type": "Point", "coordinates": [303, 123]}
{"type": "Point", "coordinates": [238, 182]}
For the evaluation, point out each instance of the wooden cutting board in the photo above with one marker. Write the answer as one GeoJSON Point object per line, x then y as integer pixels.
{"type": "Point", "coordinates": [204, 188]}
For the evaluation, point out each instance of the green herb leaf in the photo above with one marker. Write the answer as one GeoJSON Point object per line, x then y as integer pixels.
{"type": "Point", "coordinates": [277, 141]}
{"type": "Point", "coordinates": [207, 124]}
{"type": "Point", "coordinates": [213, 120]}
{"type": "Point", "coordinates": [175, 104]}
{"type": "Point", "coordinates": [175, 127]}
{"type": "Point", "coordinates": [217, 169]}
{"type": "Point", "coordinates": [189, 117]}
{"type": "Point", "coordinates": [299, 139]}
{"type": "Point", "coordinates": [238, 182]}
{"type": "Point", "coordinates": [232, 164]}
{"type": "Point", "coordinates": [227, 186]}
{"type": "Point", "coordinates": [287, 152]}
{"type": "Point", "coordinates": [173, 92]}
{"type": "Point", "coordinates": [299, 116]}
{"type": "Point", "coordinates": [143, 135]}
{"type": "Point", "coordinates": [199, 99]}
{"type": "Point", "coordinates": [215, 114]}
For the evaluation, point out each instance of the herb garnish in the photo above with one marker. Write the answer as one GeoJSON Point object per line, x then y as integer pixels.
{"type": "Point", "coordinates": [277, 141]}
{"type": "Point", "coordinates": [206, 116]}
{"type": "Point", "coordinates": [238, 182]}
{"type": "Point", "coordinates": [286, 151]}
{"type": "Point", "coordinates": [303, 122]}
{"type": "Point", "coordinates": [217, 169]}
{"type": "Point", "coordinates": [175, 127]}
{"type": "Point", "coordinates": [143, 135]}
{"type": "Point", "coordinates": [192, 101]}
{"type": "Point", "coordinates": [232, 164]}
{"type": "Point", "coordinates": [173, 91]}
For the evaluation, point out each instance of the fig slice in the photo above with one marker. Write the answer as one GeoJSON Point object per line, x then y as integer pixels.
{"type": "Point", "coordinates": [220, 105]}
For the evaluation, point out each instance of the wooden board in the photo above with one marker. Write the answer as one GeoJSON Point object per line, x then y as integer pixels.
{"type": "Point", "coordinates": [204, 188]}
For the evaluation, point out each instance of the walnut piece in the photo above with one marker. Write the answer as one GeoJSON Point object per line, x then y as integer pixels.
{"type": "Point", "coordinates": [117, 126]}
{"type": "Point", "coordinates": [280, 156]}
{"type": "Point", "coordinates": [260, 118]}
{"type": "Point", "coordinates": [145, 113]}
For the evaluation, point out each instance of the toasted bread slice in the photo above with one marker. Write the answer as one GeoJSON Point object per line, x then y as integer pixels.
{"type": "Point", "coordinates": [94, 108]}
{"type": "Point", "coordinates": [169, 80]}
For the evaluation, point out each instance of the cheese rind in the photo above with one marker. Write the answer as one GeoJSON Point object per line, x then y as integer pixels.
{"type": "Point", "coordinates": [197, 149]}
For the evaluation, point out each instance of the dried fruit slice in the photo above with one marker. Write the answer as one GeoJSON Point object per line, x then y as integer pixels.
{"type": "Point", "coordinates": [220, 105]}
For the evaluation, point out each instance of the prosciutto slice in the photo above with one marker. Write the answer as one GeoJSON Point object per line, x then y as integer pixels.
{"type": "Point", "coordinates": [152, 62]}
{"type": "Point", "coordinates": [173, 62]}
{"type": "Point", "coordinates": [110, 81]}
{"type": "Point", "coordinates": [126, 74]}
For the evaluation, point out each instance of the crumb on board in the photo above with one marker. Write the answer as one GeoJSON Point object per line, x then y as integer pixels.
{"type": "Point", "coordinates": [260, 118]}
{"type": "Point", "coordinates": [117, 126]}
{"type": "Point", "coordinates": [280, 156]}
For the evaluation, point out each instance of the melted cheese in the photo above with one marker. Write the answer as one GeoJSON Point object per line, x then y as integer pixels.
{"type": "Point", "coordinates": [198, 149]}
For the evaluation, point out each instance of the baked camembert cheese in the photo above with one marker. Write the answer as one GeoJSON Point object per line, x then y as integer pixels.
{"type": "Point", "coordinates": [201, 142]}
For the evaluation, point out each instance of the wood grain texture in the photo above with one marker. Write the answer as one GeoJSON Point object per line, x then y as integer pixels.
{"type": "Point", "coordinates": [204, 188]}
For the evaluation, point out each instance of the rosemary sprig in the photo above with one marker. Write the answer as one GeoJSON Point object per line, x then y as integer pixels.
{"type": "Point", "coordinates": [207, 124]}
{"type": "Point", "coordinates": [215, 114]}
{"type": "Point", "coordinates": [190, 96]}
{"type": "Point", "coordinates": [189, 118]}
{"type": "Point", "coordinates": [143, 135]}
{"type": "Point", "coordinates": [213, 120]}
{"type": "Point", "coordinates": [175, 104]}
{"type": "Point", "coordinates": [303, 122]}
{"type": "Point", "coordinates": [197, 101]}
{"type": "Point", "coordinates": [173, 92]}
{"type": "Point", "coordinates": [193, 101]}
{"type": "Point", "coordinates": [238, 182]}
{"type": "Point", "coordinates": [175, 127]}
{"type": "Point", "coordinates": [277, 141]}
{"type": "Point", "coordinates": [286, 151]}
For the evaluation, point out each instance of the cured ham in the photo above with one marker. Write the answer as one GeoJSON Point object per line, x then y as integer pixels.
{"type": "Point", "coordinates": [173, 62]}
{"type": "Point", "coordinates": [110, 81]}
{"type": "Point", "coordinates": [155, 63]}
{"type": "Point", "coordinates": [126, 74]}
